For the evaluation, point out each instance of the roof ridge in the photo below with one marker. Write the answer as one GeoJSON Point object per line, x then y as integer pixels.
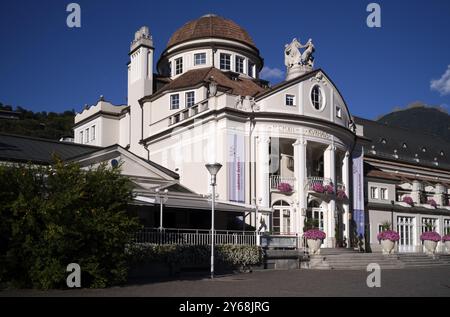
{"type": "Point", "coordinates": [422, 133]}
{"type": "Point", "coordinates": [48, 140]}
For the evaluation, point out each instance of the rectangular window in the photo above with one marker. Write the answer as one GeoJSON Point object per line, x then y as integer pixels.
{"type": "Point", "coordinates": [174, 102]}
{"type": "Point", "coordinates": [87, 135]}
{"type": "Point", "coordinates": [190, 99]}
{"type": "Point", "coordinates": [338, 112]}
{"type": "Point", "coordinates": [81, 137]}
{"type": "Point", "coordinates": [93, 133]}
{"type": "Point", "coordinates": [200, 59]}
{"type": "Point", "coordinates": [178, 66]}
{"type": "Point", "coordinates": [429, 224]}
{"type": "Point", "coordinates": [380, 228]}
{"type": "Point", "coordinates": [446, 226]}
{"type": "Point", "coordinates": [290, 100]}
{"type": "Point", "coordinates": [384, 193]}
{"type": "Point", "coordinates": [250, 69]}
{"type": "Point", "coordinates": [225, 61]}
{"type": "Point", "coordinates": [239, 64]}
{"type": "Point", "coordinates": [374, 192]}
{"type": "Point", "coordinates": [276, 221]}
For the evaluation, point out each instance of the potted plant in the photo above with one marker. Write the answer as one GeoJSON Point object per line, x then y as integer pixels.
{"type": "Point", "coordinates": [284, 187]}
{"type": "Point", "coordinates": [387, 239]}
{"type": "Point", "coordinates": [408, 200]}
{"type": "Point", "coordinates": [314, 239]}
{"type": "Point", "coordinates": [430, 240]}
{"type": "Point", "coordinates": [446, 241]}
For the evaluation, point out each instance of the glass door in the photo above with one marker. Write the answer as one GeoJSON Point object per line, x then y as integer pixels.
{"type": "Point", "coordinates": [405, 228]}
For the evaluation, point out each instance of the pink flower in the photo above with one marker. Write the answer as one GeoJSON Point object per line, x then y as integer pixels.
{"type": "Point", "coordinates": [432, 202]}
{"type": "Point", "coordinates": [430, 236]}
{"type": "Point", "coordinates": [315, 234]}
{"type": "Point", "coordinates": [329, 189]}
{"type": "Point", "coordinates": [341, 194]}
{"type": "Point", "coordinates": [284, 187]}
{"type": "Point", "coordinates": [388, 235]}
{"type": "Point", "coordinates": [318, 188]}
{"type": "Point", "coordinates": [446, 238]}
{"type": "Point", "coordinates": [408, 200]}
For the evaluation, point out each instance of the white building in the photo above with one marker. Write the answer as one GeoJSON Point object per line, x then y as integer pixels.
{"type": "Point", "coordinates": [291, 150]}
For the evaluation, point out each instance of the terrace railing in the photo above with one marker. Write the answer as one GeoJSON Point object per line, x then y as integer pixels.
{"type": "Point", "coordinates": [196, 237]}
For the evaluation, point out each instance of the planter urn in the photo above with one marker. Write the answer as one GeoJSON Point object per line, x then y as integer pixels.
{"type": "Point", "coordinates": [387, 246]}
{"type": "Point", "coordinates": [430, 246]}
{"type": "Point", "coordinates": [447, 245]}
{"type": "Point", "coordinates": [314, 246]}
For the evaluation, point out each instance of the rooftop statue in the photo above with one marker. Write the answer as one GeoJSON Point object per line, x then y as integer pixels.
{"type": "Point", "coordinates": [297, 61]}
{"type": "Point", "coordinates": [294, 56]}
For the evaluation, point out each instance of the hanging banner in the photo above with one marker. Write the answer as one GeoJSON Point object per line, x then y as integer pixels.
{"type": "Point", "coordinates": [358, 191]}
{"type": "Point", "coordinates": [236, 168]}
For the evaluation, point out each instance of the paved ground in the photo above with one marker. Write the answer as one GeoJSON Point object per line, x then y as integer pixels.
{"type": "Point", "coordinates": [404, 282]}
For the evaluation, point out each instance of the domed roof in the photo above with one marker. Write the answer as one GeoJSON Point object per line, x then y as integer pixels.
{"type": "Point", "coordinates": [210, 25]}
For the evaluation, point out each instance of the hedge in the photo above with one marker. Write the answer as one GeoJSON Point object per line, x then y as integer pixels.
{"type": "Point", "coordinates": [175, 255]}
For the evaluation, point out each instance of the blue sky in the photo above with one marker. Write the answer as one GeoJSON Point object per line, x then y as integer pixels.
{"type": "Point", "coordinates": [45, 65]}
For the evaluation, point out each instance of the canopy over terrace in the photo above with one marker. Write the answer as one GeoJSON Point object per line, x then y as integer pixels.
{"type": "Point", "coordinates": [191, 211]}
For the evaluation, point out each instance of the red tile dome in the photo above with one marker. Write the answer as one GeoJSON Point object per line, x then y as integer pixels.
{"type": "Point", "coordinates": [210, 25]}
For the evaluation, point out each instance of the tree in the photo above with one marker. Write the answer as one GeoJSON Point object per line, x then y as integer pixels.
{"type": "Point", "coordinates": [61, 214]}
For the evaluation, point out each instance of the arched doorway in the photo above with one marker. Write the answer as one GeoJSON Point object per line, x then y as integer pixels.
{"type": "Point", "coordinates": [314, 216]}
{"type": "Point", "coordinates": [281, 217]}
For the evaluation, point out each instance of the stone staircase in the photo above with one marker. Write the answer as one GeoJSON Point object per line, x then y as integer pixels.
{"type": "Point", "coordinates": [348, 259]}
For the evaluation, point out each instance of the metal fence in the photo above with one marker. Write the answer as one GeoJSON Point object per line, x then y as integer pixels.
{"type": "Point", "coordinates": [196, 236]}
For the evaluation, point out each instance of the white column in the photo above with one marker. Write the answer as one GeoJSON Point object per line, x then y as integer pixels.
{"type": "Point", "coordinates": [346, 181]}
{"type": "Point", "coordinates": [330, 172]}
{"type": "Point", "coordinates": [262, 171]}
{"type": "Point", "coordinates": [300, 181]}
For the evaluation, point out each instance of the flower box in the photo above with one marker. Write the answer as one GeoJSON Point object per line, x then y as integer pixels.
{"type": "Point", "coordinates": [284, 188]}
{"type": "Point", "coordinates": [432, 202]}
{"type": "Point", "coordinates": [318, 188]}
{"type": "Point", "coordinates": [408, 200]}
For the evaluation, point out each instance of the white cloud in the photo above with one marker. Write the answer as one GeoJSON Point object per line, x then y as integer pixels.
{"type": "Point", "coordinates": [271, 73]}
{"type": "Point", "coordinates": [442, 85]}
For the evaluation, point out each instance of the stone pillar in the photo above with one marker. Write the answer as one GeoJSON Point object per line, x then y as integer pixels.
{"type": "Point", "coordinates": [417, 188]}
{"type": "Point", "coordinates": [330, 173]}
{"type": "Point", "coordinates": [262, 172]}
{"type": "Point", "coordinates": [346, 181]}
{"type": "Point", "coordinates": [439, 194]}
{"type": "Point", "coordinates": [300, 181]}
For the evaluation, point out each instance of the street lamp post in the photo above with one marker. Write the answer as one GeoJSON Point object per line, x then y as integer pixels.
{"type": "Point", "coordinates": [162, 200]}
{"type": "Point", "coordinates": [213, 169]}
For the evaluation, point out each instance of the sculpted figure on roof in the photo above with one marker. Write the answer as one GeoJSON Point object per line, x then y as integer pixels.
{"type": "Point", "coordinates": [293, 55]}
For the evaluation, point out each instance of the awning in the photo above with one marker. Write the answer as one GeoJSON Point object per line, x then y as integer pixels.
{"type": "Point", "coordinates": [193, 204]}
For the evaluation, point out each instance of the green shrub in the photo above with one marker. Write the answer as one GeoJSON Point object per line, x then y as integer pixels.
{"type": "Point", "coordinates": [53, 216]}
{"type": "Point", "coordinates": [173, 255]}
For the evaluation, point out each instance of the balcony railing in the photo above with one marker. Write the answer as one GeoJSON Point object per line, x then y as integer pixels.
{"type": "Point", "coordinates": [317, 180]}
{"type": "Point", "coordinates": [195, 236]}
{"type": "Point", "coordinates": [276, 180]}
{"type": "Point", "coordinates": [314, 181]}
{"type": "Point", "coordinates": [188, 112]}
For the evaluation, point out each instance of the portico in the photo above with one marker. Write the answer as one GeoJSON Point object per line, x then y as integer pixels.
{"type": "Point", "coordinates": [298, 166]}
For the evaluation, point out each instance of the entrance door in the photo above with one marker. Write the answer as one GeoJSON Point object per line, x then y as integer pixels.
{"type": "Point", "coordinates": [405, 228]}
{"type": "Point", "coordinates": [316, 214]}
{"type": "Point", "coordinates": [281, 218]}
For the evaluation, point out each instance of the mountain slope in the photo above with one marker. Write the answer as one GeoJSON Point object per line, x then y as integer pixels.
{"type": "Point", "coordinates": [422, 118]}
